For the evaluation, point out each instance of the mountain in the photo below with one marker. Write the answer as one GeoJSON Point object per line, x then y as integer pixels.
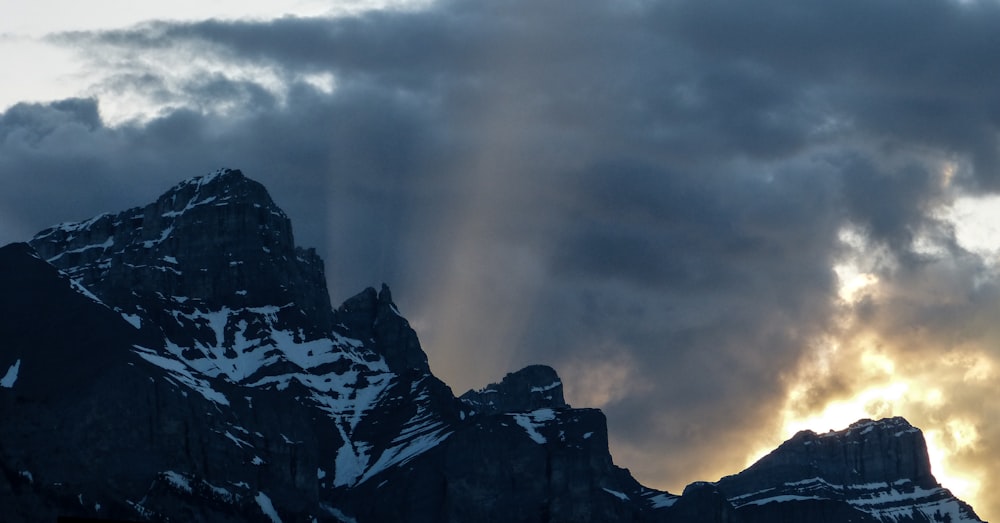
{"type": "Point", "coordinates": [873, 471]}
{"type": "Point", "coordinates": [181, 361]}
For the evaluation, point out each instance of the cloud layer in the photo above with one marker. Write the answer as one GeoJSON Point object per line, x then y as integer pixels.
{"type": "Point", "coordinates": [658, 198]}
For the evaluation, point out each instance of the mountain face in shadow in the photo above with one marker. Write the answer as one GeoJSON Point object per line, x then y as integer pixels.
{"type": "Point", "coordinates": [181, 361]}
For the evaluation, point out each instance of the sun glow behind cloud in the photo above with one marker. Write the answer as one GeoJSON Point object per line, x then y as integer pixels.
{"type": "Point", "coordinates": [894, 395]}
{"type": "Point", "coordinates": [860, 373]}
{"type": "Point", "coordinates": [476, 315]}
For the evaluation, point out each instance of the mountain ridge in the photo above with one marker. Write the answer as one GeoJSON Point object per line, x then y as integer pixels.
{"type": "Point", "coordinates": [233, 391]}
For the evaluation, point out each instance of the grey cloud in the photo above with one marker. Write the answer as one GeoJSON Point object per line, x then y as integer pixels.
{"type": "Point", "coordinates": [649, 192]}
{"type": "Point", "coordinates": [891, 205]}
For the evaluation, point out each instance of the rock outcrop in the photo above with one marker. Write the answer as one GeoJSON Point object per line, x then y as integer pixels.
{"type": "Point", "coordinates": [533, 387]}
{"type": "Point", "coordinates": [873, 470]}
{"type": "Point", "coordinates": [217, 239]}
{"type": "Point", "coordinates": [219, 385]}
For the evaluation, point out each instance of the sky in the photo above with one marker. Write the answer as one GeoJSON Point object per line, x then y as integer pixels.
{"type": "Point", "coordinates": [721, 222]}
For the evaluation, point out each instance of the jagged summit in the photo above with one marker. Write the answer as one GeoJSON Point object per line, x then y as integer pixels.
{"type": "Point", "coordinates": [216, 241]}
{"type": "Point", "coordinates": [533, 387]}
{"type": "Point", "coordinates": [896, 425]}
{"type": "Point", "coordinates": [188, 352]}
{"type": "Point", "coordinates": [220, 186]}
{"type": "Point", "coordinates": [371, 315]}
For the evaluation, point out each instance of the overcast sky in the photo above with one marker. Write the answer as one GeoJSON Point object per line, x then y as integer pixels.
{"type": "Point", "coordinates": [721, 222]}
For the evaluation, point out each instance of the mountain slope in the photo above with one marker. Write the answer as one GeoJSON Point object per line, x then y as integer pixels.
{"type": "Point", "coordinates": [181, 361]}
{"type": "Point", "coordinates": [267, 401]}
{"type": "Point", "coordinates": [872, 471]}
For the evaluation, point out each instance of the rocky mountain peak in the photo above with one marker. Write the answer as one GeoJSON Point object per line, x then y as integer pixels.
{"type": "Point", "coordinates": [868, 451]}
{"type": "Point", "coordinates": [187, 350]}
{"type": "Point", "coordinates": [533, 387]}
{"type": "Point", "coordinates": [873, 467]}
{"type": "Point", "coordinates": [371, 316]}
{"type": "Point", "coordinates": [222, 186]}
{"type": "Point", "coordinates": [215, 241]}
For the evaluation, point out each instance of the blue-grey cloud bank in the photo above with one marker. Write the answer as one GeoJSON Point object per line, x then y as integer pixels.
{"type": "Point", "coordinates": [666, 201]}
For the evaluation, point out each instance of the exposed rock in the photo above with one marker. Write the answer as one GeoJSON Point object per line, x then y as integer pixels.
{"type": "Point", "coordinates": [866, 452]}
{"type": "Point", "coordinates": [703, 502]}
{"type": "Point", "coordinates": [533, 387]}
{"type": "Point", "coordinates": [184, 364]}
{"type": "Point", "coordinates": [372, 316]}
{"type": "Point", "coordinates": [872, 469]}
{"type": "Point", "coordinates": [97, 424]}
{"type": "Point", "coordinates": [218, 239]}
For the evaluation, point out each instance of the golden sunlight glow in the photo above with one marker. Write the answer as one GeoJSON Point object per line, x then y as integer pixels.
{"type": "Point", "coordinates": [895, 395]}
{"type": "Point", "coordinates": [933, 397]}
{"type": "Point", "coordinates": [873, 402]}
{"type": "Point", "coordinates": [854, 280]}
{"type": "Point", "coordinates": [941, 445]}
{"type": "Point", "coordinates": [978, 368]}
{"type": "Point", "coordinates": [878, 362]}
{"type": "Point", "coordinates": [853, 283]}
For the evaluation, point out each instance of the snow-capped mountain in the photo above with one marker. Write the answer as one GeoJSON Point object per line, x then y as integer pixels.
{"type": "Point", "coordinates": [875, 471]}
{"type": "Point", "coordinates": [181, 362]}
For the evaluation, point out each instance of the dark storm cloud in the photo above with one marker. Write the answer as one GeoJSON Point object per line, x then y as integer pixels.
{"type": "Point", "coordinates": [648, 196]}
{"type": "Point", "coordinates": [59, 165]}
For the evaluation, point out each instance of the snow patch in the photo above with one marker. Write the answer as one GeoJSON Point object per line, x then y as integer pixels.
{"type": "Point", "coordinates": [531, 421]}
{"type": "Point", "coordinates": [351, 462]}
{"type": "Point", "coordinates": [547, 387]}
{"type": "Point", "coordinates": [402, 454]}
{"type": "Point", "coordinates": [663, 500]}
{"type": "Point", "coordinates": [341, 517]}
{"type": "Point", "coordinates": [220, 493]}
{"type": "Point", "coordinates": [133, 319]}
{"type": "Point", "coordinates": [780, 499]}
{"type": "Point", "coordinates": [879, 499]}
{"type": "Point", "coordinates": [182, 374]}
{"type": "Point", "coordinates": [103, 246]}
{"type": "Point", "coordinates": [178, 481]}
{"type": "Point", "coordinates": [8, 379]}
{"type": "Point", "coordinates": [239, 443]}
{"type": "Point", "coordinates": [267, 507]}
{"type": "Point", "coordinates": [194, 202]}
{"type": "Point", "coordinates": [620, 495]}
{"type": "Point", "coordinates": [78, 287]}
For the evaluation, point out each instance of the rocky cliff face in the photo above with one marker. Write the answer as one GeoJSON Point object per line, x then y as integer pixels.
{"type": "Point", "coordinates": [216, 240]}
{"type": "Point", "coordinates": [533, 387]}
{"type": "Point", "coordinates": [221, 386]}
{"type": "Point", "coordinates": [871, 471]}
{"type": "Point", "coordinates": [181, 362]}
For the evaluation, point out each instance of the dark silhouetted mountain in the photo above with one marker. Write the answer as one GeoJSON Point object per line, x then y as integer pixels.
{"type": "Point", "coordinates": [181, 361]}
{"type": "Point", "coordinates": [871, 471]}
{"type": "Point", "coordinates": [533, 387]}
